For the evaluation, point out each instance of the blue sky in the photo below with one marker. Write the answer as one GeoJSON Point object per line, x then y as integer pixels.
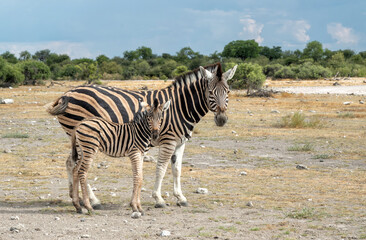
{"type": "Point", "coordinates": [88, 28]}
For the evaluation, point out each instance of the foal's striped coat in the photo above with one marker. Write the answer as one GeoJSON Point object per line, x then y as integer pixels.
{"type": "Point", "coordinates": [116, 140]}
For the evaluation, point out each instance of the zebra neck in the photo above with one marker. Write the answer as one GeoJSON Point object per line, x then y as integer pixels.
{"type": "Point", "coordinates": [189, 104]}
{"type": "Point", "coordinates": [141, 134]}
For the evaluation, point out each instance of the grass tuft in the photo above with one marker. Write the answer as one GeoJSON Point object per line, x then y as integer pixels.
{"type": "Point", "coordinates": [305, 213]}
{"type": "Point", "coordinates": [15, 135]}
{"type": "Point", "coordinates": [299, 120]}
{"type": "Point", "coordinates": [307, 147]}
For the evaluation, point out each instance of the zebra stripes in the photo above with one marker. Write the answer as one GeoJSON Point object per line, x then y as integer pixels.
{"type": "Point", "coordinates": [116, 140]}
{"type": "Point", "coordinates": [192, 95]}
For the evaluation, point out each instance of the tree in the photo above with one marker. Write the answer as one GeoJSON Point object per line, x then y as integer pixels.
{"type": "Point", "coordinates": [185, 55]}
{"type": "Point", "coordinates": [144, 53]}
{"type": "Point", "coordinates": [101, 59]}
{"type": "Point", "coordinates": [241, 49]}
{"type": "Point", "coordinates": [42, 55]}
{"type": "Point", "coordinates": [314, 50]}
{"type": "Point", "coordinates": [34, 71]}
{"type": "Point", "coordinates": [271, 53]}
{"type": "Point", "coordinates": [24, 55]}
{"type": "Point", "coordinates": [348, 53]}
{"type": "Point", "coordinates": [249, 76]}
{"type": "Point", "coordinates": [9, 57]}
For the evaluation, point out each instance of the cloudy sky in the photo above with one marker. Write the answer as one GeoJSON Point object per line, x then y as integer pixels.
{"type": "Point", "coordinates": [88, 28]}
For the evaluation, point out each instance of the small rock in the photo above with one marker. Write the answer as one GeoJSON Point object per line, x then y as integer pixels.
{"type": "Point", "coordinates": [165, 233]}
{"type": "Point", "coordinates": [14, 218]}
{"type": "Point", "coordinates": [136, 215]}
{"type": "Point", "coordinates": [143, 189]}
{"type": "Point", "coordinates": [82, 220]}
{"type": "Point", "coordinates": [234, 132]}
{"type": "Point", "coordinates": [336, 84]}
{"type": "Point", "coordinates": [57, 218]}
{"type": "Point", "coordinates": [361, 102]}
{"type": "Point", "coordinates": [275, 111]}
{"type": "Point", "coordinates": [249, 204]}
{"type": "Point", "coordinates": [125, 221]}
{"type": "Point", "coordinates": [7, 151]}
{"type": "Point", "coordinates": [347, 103]}
{"type": "Point", "coordinates": [243, 173]}
{"type": "Point", "coordinates": [85, 236]}
{"type": "Point", "coordinates": [94, 189]}
{"type": "Point", "coordinates": [166, 195]}
{"type": "Point", "coordinates": [301, 167]}
{"type": "Point", "coordinates": [6, 101]}
{"type": "Point", "coordinates": [312, 111]}
{"type": "Point", "coordinates": [14, 229]}
{"type": "Point", "coordinates": [202, 146]}
{"type": "Point", "coordinates": [201, 191]}
{"type": "Point", "coordinates": [113, 194]}
{"type": "Point", "coordinates": [235, 151]}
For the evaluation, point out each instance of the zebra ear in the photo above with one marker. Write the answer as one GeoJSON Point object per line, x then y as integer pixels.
{"type": "Point", "coordinates": [229, 74]}
{"type": "Point", "coordinates": [206, 74]}
{"type": "Point", "coordinates": [166, 105]}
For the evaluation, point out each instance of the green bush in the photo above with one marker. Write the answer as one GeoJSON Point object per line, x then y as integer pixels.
{"type": "Point", "coordinates": [271, 69]}
{"type": "Point", "coordinates": [179, 71]}
{"type": "Point", "coordinates": [285, 72]}
{"type": "Point", "coordinates": [311, 71]}
{"type": "Point", "coordinates": [34, 71]}
{"type": "Point", "coordinates": [248, 76]}
{"type": "Point", "coordinates": [10, 75]}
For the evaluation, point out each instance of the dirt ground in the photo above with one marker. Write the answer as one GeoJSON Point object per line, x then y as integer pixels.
{"type": "Point", "coordinates": [256, 188]}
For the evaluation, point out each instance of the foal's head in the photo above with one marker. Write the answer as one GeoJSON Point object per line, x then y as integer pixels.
{"type": "Point", "coordinates": [154, 116]}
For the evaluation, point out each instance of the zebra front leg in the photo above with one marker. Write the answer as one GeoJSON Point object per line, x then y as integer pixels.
{"type": "Point", "coordinates": [176, 160]}
{"type": "Point", "coordinates": [165, 153]}
{"type": "Point", "coordinates": [137, 164]}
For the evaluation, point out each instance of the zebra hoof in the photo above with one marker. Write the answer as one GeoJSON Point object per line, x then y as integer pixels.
{"type": "Point", "coordinates": [182, 204]}
{"type": "Point", "coordinates": [81, 202]}
{"type": "Point", "coordinates": [79, 211]}
{"type": "Point", "coordinates": [160, 205]}
{"type": "Point", "coordinates": [97, 206]}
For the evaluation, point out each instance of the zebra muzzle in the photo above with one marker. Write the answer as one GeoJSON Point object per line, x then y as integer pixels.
{"type": "Point", "coordinates": [220, 119]}
{"type": "Point", "coordinates": [154, 134]}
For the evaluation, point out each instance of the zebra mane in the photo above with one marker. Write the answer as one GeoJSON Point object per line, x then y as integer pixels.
{"type": "Point", "coordinates": [139, 116]}
{"type": "Point", "coordinates": [189, 77]}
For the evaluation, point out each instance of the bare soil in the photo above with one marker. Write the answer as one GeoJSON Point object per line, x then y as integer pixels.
{"type": "Point", "coordinates": [255, 190]}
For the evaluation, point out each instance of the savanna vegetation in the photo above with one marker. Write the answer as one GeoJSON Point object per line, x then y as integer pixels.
{"type": "Point", "coordinates": [255, 63]}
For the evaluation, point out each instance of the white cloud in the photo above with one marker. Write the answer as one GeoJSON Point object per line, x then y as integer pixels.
{"type": "Point", "coordinates": [298, 29]}
{"type": "Point", "coordinates": [73, 49]}
{"type": "Point", "coordinates": [252, 29]}
{"type": "Point", "coordinates": [342, 34]}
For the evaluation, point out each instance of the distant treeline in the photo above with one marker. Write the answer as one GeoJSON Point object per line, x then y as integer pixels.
{"type": "Point", "coordinates": [313, 62]}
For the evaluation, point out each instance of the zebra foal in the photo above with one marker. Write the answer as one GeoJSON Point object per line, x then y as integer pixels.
{"type": "Point", "coordinates": [116, 140]}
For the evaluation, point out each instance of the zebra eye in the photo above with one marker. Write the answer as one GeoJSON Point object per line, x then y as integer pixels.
{"type": "Point", "coordinates": [210, 92]}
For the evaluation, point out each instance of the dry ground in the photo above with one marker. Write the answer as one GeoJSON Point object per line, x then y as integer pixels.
{"type": "Point", "coordinates": [327, 201]}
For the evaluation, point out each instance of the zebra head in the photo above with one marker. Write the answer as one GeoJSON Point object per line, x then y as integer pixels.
{"type": "Point", "coordinates": [155, 116]}
{"type": "Point", "coordinates": [217, 92]}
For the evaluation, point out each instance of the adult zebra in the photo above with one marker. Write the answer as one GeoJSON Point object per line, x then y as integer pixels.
{"type": "Point", "coordinates": [192, 95]}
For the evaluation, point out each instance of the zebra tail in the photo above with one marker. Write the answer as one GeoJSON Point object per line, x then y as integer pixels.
{"type": "Point", "coordinates": [74, 151]}
{"type": "Point", "coordinates": [59, 106]}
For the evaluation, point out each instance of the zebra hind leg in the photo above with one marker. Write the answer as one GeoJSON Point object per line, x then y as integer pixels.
{"type": "Point", "coordinates": [75, 190]}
